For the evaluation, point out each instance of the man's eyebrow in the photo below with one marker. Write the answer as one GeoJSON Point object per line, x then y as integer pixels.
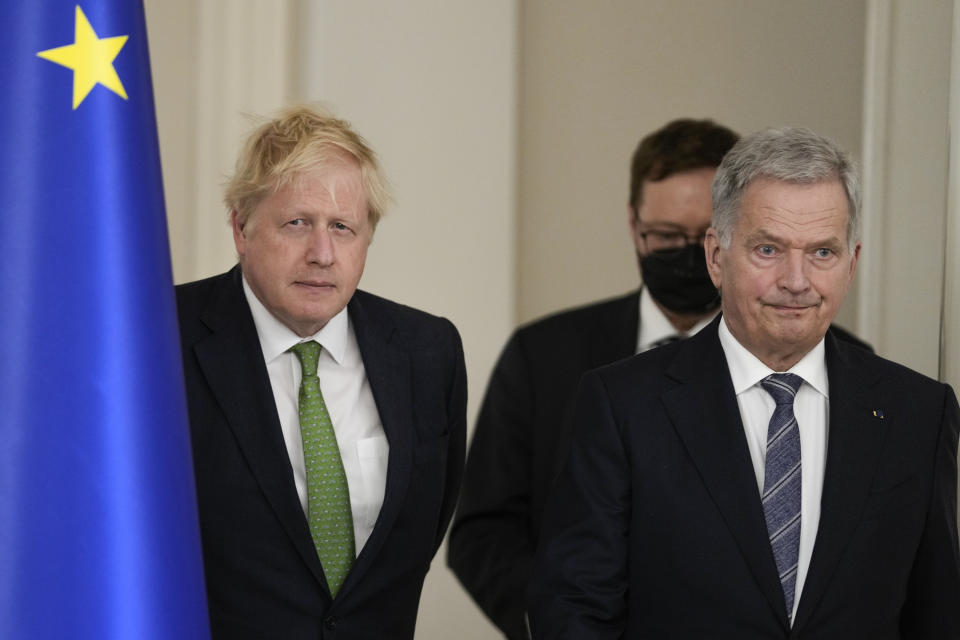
{"type": "Point", "coordinates": [830, 243]}
{"type": "Point", "coordinates": [762, 236]}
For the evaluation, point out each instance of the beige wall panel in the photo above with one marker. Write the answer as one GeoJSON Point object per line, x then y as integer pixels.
{"type": "Point", "coordinates": [214, 62]}
{"type": "Point", "coordinates": [950, 331]}
{"type": "Point", "coordinates": [904, 257]}
{"type": "Point", "coordinates": [597, 76]}
{"type": "Point", "coordinates": [172, 30]}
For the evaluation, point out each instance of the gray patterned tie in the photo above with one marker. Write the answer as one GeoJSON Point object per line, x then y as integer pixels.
{"type": "Point", "coordinates": [781, 481]}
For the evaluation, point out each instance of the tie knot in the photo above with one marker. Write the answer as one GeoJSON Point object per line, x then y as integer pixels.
{"type": "Point", "coordinates": [782, 386]}
{"type": "Point", "coordinates": [308, 353]}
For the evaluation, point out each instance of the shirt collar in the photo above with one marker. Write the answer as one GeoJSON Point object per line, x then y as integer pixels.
{"type": "Point", "coordinates": [746, 370]}
{"type": "Point", "coordinates": [655, 326]}
{"type": "Point", "coordinates": [276, 338]}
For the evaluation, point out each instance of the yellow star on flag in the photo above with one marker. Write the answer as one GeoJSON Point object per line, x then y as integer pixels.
{"type": "Point", "coordinates": [91, 59]}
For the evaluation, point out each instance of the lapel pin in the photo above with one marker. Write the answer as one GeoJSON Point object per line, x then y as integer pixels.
{"type": "Point", "coordinates": [878, 413]}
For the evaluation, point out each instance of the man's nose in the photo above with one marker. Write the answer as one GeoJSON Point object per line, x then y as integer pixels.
{"type": "Point", "coordinates": [793, 274]}
{"type": "Point", "coordinates": [321, 250]}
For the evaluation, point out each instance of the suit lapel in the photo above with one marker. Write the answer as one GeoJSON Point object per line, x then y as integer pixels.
{"type": "Point", "coordinates": [232, 362]}
{"type": "Point", "coordinates": [388, 372]}
{"type": "Point", "coordinates": [853, 451]}
{"type": "Point", "coordinates": [705, 414]}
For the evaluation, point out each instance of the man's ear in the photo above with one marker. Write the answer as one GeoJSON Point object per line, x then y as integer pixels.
{"type": "Point", "coordinates": [239, 235]}
{"type": "Point", "coordinates": [633, 220]}
{"type": "Point", "coordinates": [712, 249]}
{"type": "Point", "coordinates": [853, 260]}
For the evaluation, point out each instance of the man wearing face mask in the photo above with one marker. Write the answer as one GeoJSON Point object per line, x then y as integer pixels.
{"type": "Point", "coordinates": [523, 425]}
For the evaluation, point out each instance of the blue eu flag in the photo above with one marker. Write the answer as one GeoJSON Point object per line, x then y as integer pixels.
{"type": "Point", "coordinates": [99, 535]}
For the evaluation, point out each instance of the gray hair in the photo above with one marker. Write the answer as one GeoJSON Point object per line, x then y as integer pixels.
{"type": "Point", "coordinates": [789, 154]}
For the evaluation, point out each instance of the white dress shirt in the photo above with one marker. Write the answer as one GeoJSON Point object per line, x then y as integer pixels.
{"type": "Point", "coordinates": [346, 392]}
{"type": "Point", "coordinates": [654, 325]}
{"type": "Point", "coordinates": [812, 410]}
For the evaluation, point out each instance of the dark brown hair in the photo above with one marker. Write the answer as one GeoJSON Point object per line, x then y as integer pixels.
{"type": "Point", "coordinates": [681, 145]}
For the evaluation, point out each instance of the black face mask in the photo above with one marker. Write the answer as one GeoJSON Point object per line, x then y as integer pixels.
{"type": "Point", "coordinates": [679, 280]}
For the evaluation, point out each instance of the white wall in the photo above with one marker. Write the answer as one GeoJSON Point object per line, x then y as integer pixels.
{"type": "Point", "coordinates": [171, 28]}
{"type": "Point", "coordinates": [907, 134]}
{"type": "Point", "coordinates": [214, 63]}
{"type": "Point", "coordinates": [950, 335]}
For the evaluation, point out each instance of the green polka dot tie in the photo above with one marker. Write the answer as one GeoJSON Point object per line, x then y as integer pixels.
{"type": "Point", "coordinates": [328, 496]}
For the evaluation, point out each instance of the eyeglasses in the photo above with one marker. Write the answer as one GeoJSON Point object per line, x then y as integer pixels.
{"type": "Point", "coordinates": [669, 240]}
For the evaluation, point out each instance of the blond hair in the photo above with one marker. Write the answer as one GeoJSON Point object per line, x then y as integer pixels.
{"type": "Point", "coordinates": [298, 139]}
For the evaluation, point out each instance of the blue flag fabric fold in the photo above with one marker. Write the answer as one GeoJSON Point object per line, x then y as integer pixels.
{"type": "Point", "coordinates": [99, 536]}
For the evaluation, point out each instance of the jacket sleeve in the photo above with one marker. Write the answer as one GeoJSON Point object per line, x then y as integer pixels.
{"type": "Point", "coordinates": [932, 607]}
{"type": "Point", "coordinates": [579, 584]}
{"type": "Point", "coordinates": [491, 543]}
{"type": "Point", "coordinates": [457, 432]}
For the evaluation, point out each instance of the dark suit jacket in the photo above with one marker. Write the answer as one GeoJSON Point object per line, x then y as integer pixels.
{"type": "Point", "coordinates": [655, 528]}
{"type": "Point", "coordinates": [264, 579]}
{"type": "Point", "coordinates": [520, 441]}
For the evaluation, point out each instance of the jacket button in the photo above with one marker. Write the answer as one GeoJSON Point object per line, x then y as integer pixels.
{"type": "Point", "coordinates": [330, 623]}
